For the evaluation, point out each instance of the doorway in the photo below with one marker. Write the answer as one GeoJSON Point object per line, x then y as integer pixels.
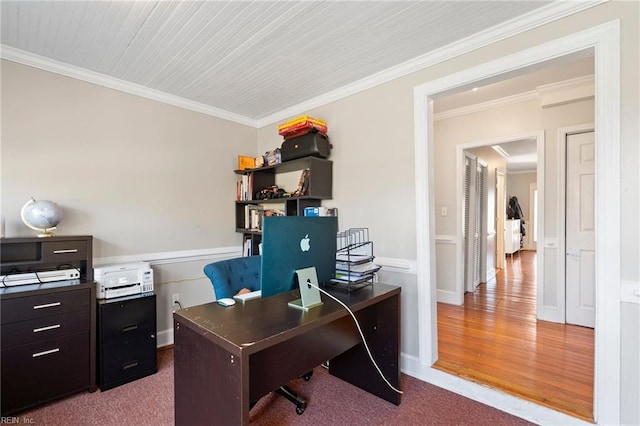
{"type": "Point", "coordinates": [493, 206]}
{"type": "Point", "coordinates": [601, 41]}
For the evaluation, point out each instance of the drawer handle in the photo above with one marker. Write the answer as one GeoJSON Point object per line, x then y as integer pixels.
{"type": "Point", "coordinates": [49, 327]}
{"type": "Point", "coordinates": [48, 305]}
{"type": "Point", "coordinates": [130, 365]}
{"type": "Point", "coordinates": [65, 251]}
{"type": "Point", "coordinates": [51, 351]}
{"type": "Point", "coordinates": [130, 328]}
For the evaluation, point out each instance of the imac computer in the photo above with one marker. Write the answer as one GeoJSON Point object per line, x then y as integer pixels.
{"type": "Point", "coordinates": [292, 243]}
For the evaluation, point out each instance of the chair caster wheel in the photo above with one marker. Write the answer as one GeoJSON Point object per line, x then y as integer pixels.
{"type": "Point", "coordinates": [300, 409]}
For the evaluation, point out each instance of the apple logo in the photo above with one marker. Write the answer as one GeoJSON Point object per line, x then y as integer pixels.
{"type": "Point", "coordinates": [305, 243]}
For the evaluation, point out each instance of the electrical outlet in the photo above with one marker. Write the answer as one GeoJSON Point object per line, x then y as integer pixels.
{"type": "Point", "coordinates": [175, 299]}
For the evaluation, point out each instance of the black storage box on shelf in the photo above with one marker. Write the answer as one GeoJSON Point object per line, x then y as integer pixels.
{"type": "Point", "coordinates": [315, 144]}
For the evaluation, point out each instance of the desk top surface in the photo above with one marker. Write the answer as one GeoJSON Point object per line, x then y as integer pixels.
{"type": "Point", "coordinates": [258, 323]}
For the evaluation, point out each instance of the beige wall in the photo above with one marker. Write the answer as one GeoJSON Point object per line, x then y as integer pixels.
{"type": "Point", "coordinates": [141, 176]}
{"type": "Point", "coordinates": [373, 168]}
{"type": "Point", "coordinates": [138, 175]}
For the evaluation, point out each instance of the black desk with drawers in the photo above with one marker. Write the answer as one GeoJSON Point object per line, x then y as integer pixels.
{"type": "Point", "coordinates": [48, 330]}
{"type": "Point", "coordinates": [227, 358]}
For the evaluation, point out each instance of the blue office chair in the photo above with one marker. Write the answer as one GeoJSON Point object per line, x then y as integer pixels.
{"type": "Point", "coordinates": [230, 276]}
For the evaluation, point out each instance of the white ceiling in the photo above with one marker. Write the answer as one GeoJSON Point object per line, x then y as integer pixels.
{"type": "Point", "coordinates": [249, 59]}
{"type": "Point", "coordinates": [522, 155]}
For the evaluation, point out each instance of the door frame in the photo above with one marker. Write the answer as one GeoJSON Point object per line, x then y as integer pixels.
{"type": "Point", "coordinates": [461, 155]}
{"type": "Point", "coordinates": [604, 42]}
{"type": "Point", "coordinates": [563, 133]}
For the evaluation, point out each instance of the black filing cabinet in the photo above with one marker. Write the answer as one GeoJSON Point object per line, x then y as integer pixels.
{"type": "Point", "coordinates": [126, 339]}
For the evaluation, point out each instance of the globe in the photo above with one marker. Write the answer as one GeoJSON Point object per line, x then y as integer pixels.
{"type": "Point", "coordinates": [42, 216]}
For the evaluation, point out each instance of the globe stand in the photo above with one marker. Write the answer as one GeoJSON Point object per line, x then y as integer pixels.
{"type": "Point", "coordinates": [46, 232]}
{"type": "Point", "coordinates": [41, 216]}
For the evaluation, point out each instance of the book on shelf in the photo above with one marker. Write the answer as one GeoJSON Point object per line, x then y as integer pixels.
{"type": "Point", "coordinates": [303, 132]}
{"type": "Point", "coordinates": [244, 185]}
{"type": "Point", "coordinates": [304, 125]}
{"type": "Point", "coordinates": [244, 188]}
{"type": "Point", "coordinates": [253, 217]}
{"type": "Point", "coordinates": [247, 248]}
{"type": "Point", "coordinates": [301, 119]}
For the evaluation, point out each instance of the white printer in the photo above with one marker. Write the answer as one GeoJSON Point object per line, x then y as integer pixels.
{"type": "Point", "coordinates": [123, 280]}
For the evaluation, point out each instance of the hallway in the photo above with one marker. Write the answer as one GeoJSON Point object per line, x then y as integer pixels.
{"type": "Point", "coordinates": [495, 339]}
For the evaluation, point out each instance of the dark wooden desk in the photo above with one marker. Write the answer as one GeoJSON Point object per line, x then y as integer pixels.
{"type": "Point", "coordinates": [226, 358]}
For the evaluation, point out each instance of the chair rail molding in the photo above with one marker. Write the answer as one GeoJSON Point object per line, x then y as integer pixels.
{"type": "Point", "coordinates": [170, 257]}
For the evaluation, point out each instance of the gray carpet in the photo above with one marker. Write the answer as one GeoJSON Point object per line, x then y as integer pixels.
{"type": "Point", "coordinates": [149, 401]}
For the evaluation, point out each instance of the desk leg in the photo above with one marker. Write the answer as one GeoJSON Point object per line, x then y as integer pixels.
{"type": "Point", "coordinates": [208, 382]}
{"type": "Point", "coordinates": [380, 324]}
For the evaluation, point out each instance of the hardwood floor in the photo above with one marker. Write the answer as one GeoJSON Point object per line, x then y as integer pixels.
{"type": "Point", "coordinates": [495, 339]}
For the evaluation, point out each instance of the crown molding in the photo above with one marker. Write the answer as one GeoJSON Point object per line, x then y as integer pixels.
{"type": "Point", "coordinates": [567, 84]}
{"type": "Point", "coordinates": [521, 172]}
{"type": "Point", "coordinates": [564, 92]}
{"type": "Point", "coordinates": [483, 106]}
{"type": "Point", "coordinates": [542, 16]}
{"type": "Point", "coordinates": [47, 64]}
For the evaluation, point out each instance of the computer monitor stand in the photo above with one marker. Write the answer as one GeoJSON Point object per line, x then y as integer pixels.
{"type": "Point", "coordinates": [309, 293]}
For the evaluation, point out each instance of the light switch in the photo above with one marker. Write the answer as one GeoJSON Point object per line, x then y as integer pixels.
{"type": "Point", "coordinates": [443, 211]}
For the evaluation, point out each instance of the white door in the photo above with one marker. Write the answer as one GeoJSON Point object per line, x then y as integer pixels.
{"type": "Point", "coordinates": [580, 230]}
{"type": "Point", "coordinates": [481, 256]}
{"type": "Point", "coordinates": [469, 217]}
{"type": "Point", "coordinates": [475, 244]}
{"type": "Point", "coordinates": [501, 208]}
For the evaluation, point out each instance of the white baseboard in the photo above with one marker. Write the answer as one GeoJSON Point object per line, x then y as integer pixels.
{"type": "Point", "coordinates": [446, 296]}
{"type": "Point", "coordinates": [164, 338]}
{"type": "Point", "coordinates": [550, 314]}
